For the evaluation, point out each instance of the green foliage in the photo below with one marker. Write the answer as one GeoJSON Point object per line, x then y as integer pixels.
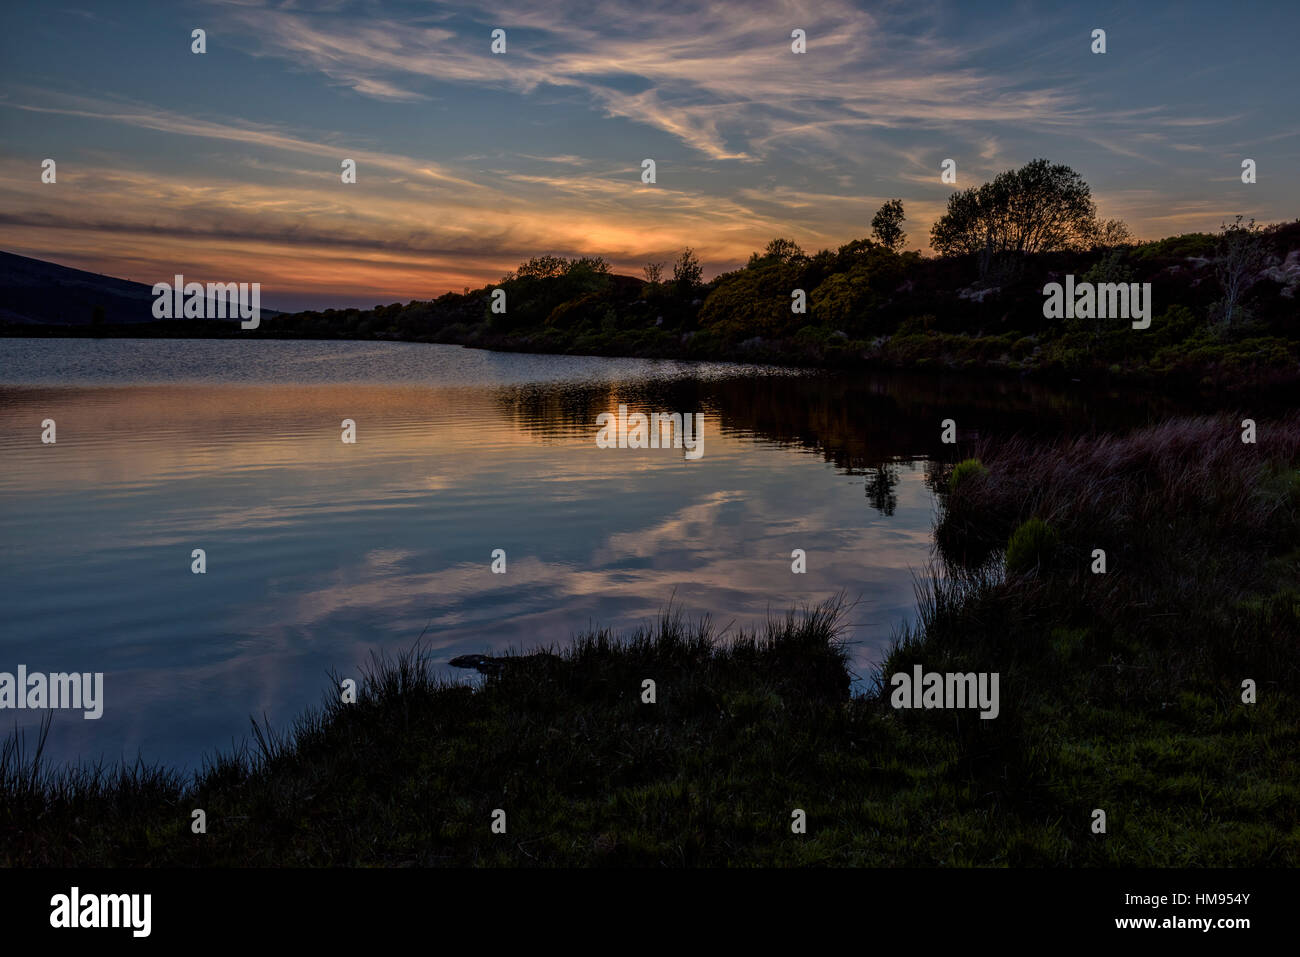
{"type": "Point", "coordinates": [852, 299]}
{"type": "Point", "coordinates": [915, 325]}
{"type": "Point", "coordinates": [539, 286]}
{"type": "Point", "coordinates": [964, 470]}
{"type": "Point", "coordinates": [1031, 545]}
{"type": "Point", "coordinates": [844, 300]}
{"type": "Point", "coordinates": [755, 302]}
{"type": "Point", "coordinates": [1182, 247]}
{"type": "Point", "coordinates": [1111, 267]}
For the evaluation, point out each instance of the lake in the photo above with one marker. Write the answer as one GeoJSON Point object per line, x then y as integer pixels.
{"type": "Point", "coordinates": [320, 552]}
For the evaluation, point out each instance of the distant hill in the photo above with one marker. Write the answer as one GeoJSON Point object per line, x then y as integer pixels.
{"type": "Point", "coordinates": [35, 292]}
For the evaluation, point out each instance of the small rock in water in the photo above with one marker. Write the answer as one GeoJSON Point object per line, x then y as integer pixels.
{"type": "Point", "coordinates": [486, 665]}
{"type": "Point", "coordinates": [493, 666]}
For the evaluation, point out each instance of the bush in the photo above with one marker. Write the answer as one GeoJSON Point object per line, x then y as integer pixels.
{"type": "Point", "coordinates": [966, 469]}
{"type": "Point", "coordinates": [1030, 546]}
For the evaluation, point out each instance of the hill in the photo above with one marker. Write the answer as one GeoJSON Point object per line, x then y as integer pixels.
{"type": "Point", "coordinates": [34, 292]}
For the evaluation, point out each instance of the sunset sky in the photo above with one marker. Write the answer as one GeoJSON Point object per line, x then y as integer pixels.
{"type": "Point", "coordinates": [225, 166]}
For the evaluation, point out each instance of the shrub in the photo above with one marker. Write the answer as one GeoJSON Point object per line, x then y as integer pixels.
{"type": "Point", "coordinates": [1030, 545]}
{"type": "Point", "coordinates": [963, 470]}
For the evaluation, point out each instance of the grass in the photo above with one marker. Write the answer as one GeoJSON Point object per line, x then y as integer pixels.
{"type": "Point", "coordinates": [1030, 546]}
{"type": "Point", "coordinates": [1132, 679]}
{"type": "Point", "coordinates": [1120, 691]}
{"type": "Point", "coordinates": [965, 470]}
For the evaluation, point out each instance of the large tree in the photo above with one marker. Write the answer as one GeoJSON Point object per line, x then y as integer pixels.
{"type": "Point", "coordinates": [1037, 208]}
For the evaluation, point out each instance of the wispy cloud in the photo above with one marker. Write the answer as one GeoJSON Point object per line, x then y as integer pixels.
{"type": "Point", "coordinates": [719, 77]}
{"type": "Point", "coordinates": [469, 162]}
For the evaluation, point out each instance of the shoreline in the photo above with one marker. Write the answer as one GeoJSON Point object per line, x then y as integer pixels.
{"type": "Point", "coordinates": [1192, 383]}
{"type": "Point", "coordinates": [1120, 692]}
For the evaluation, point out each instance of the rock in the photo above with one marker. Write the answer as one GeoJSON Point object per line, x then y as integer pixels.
{"type": "Point", "coordinates": [977, 295]}
{"type": "Point", "coordinates": [1287, 274]}
{"type": "Point", "coordinates": [486, 664]}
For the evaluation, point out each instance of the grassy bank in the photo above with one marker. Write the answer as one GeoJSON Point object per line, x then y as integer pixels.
{"type": "Point", "coordinates": [1129, 681]}
{"type": "Point", "coordinates": [1119, 691]}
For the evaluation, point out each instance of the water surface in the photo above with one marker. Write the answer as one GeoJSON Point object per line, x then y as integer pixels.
{"type": "Point", "coordinates": [319, 553]}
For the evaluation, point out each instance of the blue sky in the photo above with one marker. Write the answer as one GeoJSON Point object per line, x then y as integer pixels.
{"type": "Point", "coordinates": [225, 166]}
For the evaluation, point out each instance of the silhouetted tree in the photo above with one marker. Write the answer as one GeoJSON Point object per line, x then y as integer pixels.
{"type": "Point", "coordinates": [1111, 233]}
{"type": "Point", "coordinates": [552, 267]}
{"type": "Point", "coordinates": [887, 225]}
{"type": "Point", "coordinates": [781, 251]}
{"type": "Point", "coordinates": [687, 271]}
{"type": "Point", "coordinates": [1037, 208]}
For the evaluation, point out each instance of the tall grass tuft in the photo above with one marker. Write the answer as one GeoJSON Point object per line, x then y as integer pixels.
{"type": "Point", "coordinates": [1031, 545]}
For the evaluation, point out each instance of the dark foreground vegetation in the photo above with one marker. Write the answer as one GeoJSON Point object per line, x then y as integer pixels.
{"type": "Point", "coordinates": [1223, 313]}
{"type": "Point", "coordinates": [1120, 691]}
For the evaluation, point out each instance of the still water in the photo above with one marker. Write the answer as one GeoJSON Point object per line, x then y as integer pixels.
{"type": "Point", "coordinates": [320, 552]}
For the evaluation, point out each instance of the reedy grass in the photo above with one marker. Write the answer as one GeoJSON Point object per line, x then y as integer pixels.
{"type": "Point", "coordinates": [1118, 691]}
